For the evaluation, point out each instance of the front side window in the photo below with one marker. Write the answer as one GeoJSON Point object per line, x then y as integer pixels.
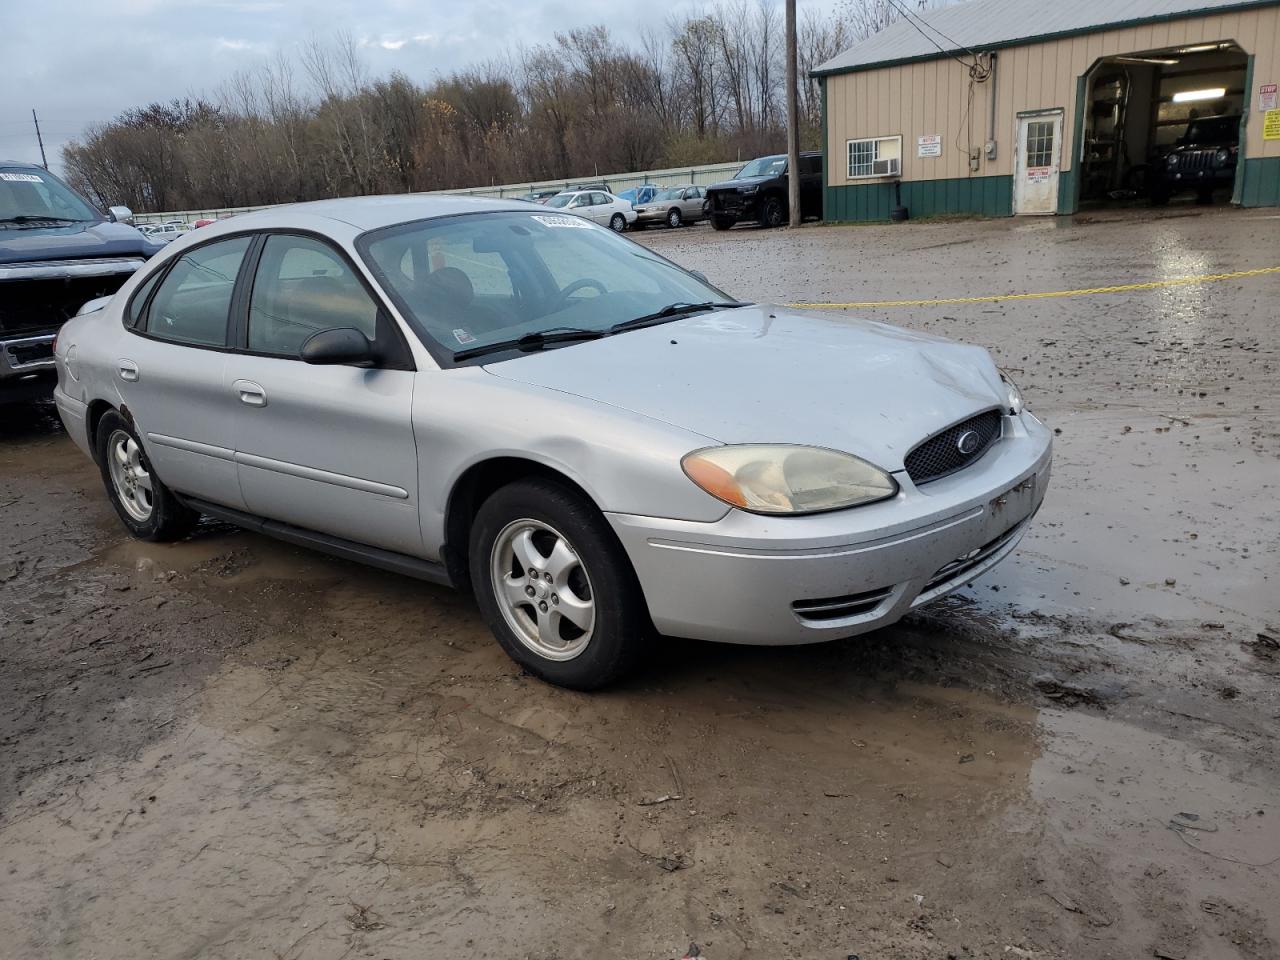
{"type": "Point", "coordinates": [561, 200]}
{"type": "Point", "coordinates": [484, 279]}
{"type": "Point", "coordinates": [301, 288]}
{"type": "Point", "coordinates": [193, 302]}
{"type": "Point", "coordinates": [875, 157]}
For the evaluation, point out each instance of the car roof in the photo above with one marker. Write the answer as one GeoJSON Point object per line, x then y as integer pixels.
{"type": "Point", "coordinates": [370, 213]}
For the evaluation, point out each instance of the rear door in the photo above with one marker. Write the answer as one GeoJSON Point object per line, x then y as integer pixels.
{"type": "Point", "coordinates": [327, 448]}
{"type": "Point", "coordinates": [171, 377]}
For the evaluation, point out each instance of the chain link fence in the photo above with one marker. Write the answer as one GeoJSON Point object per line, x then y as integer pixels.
{"type": "Point", "coordinates": [697, 175]}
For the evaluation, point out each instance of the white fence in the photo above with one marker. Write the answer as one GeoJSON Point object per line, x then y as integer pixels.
{"type": "Point", "coordinates": [700, 176]}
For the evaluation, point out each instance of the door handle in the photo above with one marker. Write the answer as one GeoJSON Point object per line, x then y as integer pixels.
{"type": "Point", "coordinates": [250, 393]}
{"type": "Point", "coordinates": [128, 370]}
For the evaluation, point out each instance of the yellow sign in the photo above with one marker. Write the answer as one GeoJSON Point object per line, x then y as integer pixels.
{"type": "Point", "coordinates": [1271, 125]}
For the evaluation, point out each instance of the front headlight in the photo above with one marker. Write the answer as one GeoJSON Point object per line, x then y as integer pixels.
{"type": "Point", "coordinates": [1013, 396]}
{"type": "Point", "coordinates": [1171, 160]}
{"type": "Point", "coordinates": [782, 478]}
{"type": "Point", "coordinates": [1223, 156]}
{"type": "Point", "coordinates": [751, 189]}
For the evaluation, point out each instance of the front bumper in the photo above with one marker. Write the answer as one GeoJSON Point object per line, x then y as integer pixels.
{"type": "Point", "coordinates": [26, 366]}
{"type": "Point", "coordinates": [790, 580]}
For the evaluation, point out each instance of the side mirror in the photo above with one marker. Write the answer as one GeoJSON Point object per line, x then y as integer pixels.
{"type": "Point", "coordinates": [120, 214]}
{"type": "Point", "coordinates": [342, 345]}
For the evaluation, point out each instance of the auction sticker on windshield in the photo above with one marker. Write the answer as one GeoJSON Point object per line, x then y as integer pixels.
{"type": "Point", "coordinates": [574, 223]}
{"type": "Point", "coordinates": [20, 177]}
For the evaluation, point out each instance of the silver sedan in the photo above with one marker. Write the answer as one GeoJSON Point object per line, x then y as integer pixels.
{"type": "Point", "coordinates": [597, 442]}
{"type": "Point", "coordinates": [674, 206]}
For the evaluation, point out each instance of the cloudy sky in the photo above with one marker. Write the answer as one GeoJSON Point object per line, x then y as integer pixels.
{"type": "Point", "coordinates": [81, 61]}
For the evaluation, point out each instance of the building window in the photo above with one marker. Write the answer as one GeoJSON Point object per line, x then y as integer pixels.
{"type": "Point", "coordinates": [1040, 143]}
{"type": "Point", "coordinates": [875, 157]}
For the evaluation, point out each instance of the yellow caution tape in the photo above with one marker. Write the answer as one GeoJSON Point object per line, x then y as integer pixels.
{"type": "Point", "coordinates": [1044, 295]}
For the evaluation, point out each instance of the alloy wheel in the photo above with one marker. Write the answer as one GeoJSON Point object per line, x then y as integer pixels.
{"type": "Point", "coordinates": [131, 479]}
{"type": "Point", "coordinates": [542, 588]}
{"type": "Point", "coordinates": [618, 223]}
{"type": "Point", "coordinates": [673, 218]}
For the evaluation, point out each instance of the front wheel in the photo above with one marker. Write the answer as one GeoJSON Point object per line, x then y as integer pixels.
{"type": "Point", "coordinates": [673, 218]}
{"type": "Point", "coordinates": [555, 586]}
{"type": "Point", "coordinates": [773, 215]}
{"type": "Point", "coordinates": [617, 223]}
{"type": "Point", "coordinates": [145, 505]}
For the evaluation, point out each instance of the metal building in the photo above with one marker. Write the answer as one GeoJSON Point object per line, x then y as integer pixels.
{"type": "Point", "coordinates": [1002, 107]}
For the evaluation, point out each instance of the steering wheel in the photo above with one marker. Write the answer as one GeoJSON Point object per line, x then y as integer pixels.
{"type": "Point", "coordinates": [563, 300]}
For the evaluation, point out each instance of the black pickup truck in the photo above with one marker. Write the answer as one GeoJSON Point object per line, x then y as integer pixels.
{"type": "Point", "coordinates": [57, 252]}
{"type": "Point", "coordinates": [758, 192]}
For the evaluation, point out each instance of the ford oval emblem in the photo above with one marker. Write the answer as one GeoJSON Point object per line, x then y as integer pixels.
{"type": "Point", "coordinates": [968, 442]}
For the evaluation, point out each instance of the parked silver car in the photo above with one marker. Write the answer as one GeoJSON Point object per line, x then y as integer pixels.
{"type": "Point", "coordinates": [674, 206]}
{"type": "Point", "coordinates": [597, 206]}
{"type": "Point", "coordinates": [519, 402]}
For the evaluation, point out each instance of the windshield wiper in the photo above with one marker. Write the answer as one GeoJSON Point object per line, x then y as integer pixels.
{"type": "Point", "coordinates": [533, 341]}
{"type": "Point", "coordinates": [673, 310]}
{"type": "Point", "coordinates": [37, 218]}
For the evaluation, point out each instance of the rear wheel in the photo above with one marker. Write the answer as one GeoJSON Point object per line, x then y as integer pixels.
{"type": "Point", "coordinates": [145, 505]}
{"type": "Point", "coordinates": [722, 223]}
{"type": "Point", "coordinates": [555, 586]}
{"type": "Point", "coordinates": [673, 217]}
{"type": "Point", "coordinates": [617, 223]}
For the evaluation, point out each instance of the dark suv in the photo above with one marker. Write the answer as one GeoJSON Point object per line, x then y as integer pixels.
{"type": "Point", "coordinates": [1203, 159]}
{"type": "Point", "coordinates": [57, 252]}
{"type": "Point", "coordinates": [759, 192]}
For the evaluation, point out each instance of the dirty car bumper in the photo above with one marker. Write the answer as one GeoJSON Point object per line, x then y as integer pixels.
{"type": "Point", "coordinates": [789, 580]}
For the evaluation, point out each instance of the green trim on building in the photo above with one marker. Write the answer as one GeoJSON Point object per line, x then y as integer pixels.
{"type": "Point", "coordinates": [1237, 188]}
{"type": "Point", "coordinates": [1047, 37]}
{"type": "Point", "coordinates": [822, 90]}
{"type": "Point", "coordinates": [1069, 180]}
{"type": "Point", "coordinates": [1261, 182]}
{"type": "Point", "coordinates": [981, 196]}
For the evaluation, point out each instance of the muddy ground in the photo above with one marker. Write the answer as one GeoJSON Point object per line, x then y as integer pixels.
{"type": "Point", "coordinates": [231, 748]}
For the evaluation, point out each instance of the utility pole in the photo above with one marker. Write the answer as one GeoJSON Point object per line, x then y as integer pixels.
{"type": "Point", "coordinates": [793, 121]}
{"type": "Point", "coordinates": [40, 140]}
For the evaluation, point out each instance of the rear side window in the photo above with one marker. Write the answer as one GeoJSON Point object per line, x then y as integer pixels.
{"type": "Point", "coordinates": [303, 287]}
{"type": "Point", "coordinates": [139, 301]}
{"type": "Point", "coordinates": [193, 302]}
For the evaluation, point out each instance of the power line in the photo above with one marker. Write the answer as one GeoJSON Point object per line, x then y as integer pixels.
{"type": "Point", "coordinates": [976, 70]}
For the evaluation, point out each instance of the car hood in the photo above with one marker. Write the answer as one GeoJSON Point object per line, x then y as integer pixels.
{"type": "Point", "coordinates": [73, 241]}
{"type": "Point", "coordinates": [738, 184]}
{"type": "Point", "coordinates": [764, 374]}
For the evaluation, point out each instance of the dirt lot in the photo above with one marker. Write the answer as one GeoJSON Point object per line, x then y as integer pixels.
{"type": "Point", "coordinates": [232, 748]}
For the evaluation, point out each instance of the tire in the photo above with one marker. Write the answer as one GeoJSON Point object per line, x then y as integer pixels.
{"type": "Point", "coordinates": [144, 504]}
{"type": "Point", "coordinates": [674, 219]}
{"type": "Point", "coordinates": [722, 223]}
{"type": "Point", "coordinates": [774, 213]}
{"type": "Point", "coordinates": [1159, 194]}
{"type": "Point", "coordinates": [609, 627]}
{"type": "Point", "coordinates": [617, 223]}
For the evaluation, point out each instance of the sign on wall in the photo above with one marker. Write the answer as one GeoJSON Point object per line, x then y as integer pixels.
{"type": "Point", "coordinates": [1271, 125]}
{"type": "Point", "coordinates": [1267, 97]}
{"type": "Point", "coordinates": [929, 146]}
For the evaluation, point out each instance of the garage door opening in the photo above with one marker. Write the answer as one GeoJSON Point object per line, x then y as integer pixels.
{"type": "Point", "coordinates": [1163, 126]}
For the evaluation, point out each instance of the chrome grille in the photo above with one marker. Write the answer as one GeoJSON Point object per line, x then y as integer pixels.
{"type": "Point", "coordinates": [1196, 159]}
{"type": "Point", "coordinates": [941, 455]}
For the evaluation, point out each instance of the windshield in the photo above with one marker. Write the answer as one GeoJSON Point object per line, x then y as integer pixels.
{"type": "Point", "coordinates": [763, 167]}
{"type": "Point", "coordinates": [35, 194]}
{"type": "Point", "coordinates": [1213, 130]}
{"type": "Point", "coordinates": [672, 193]}
{"type": "Point", "coordinates": [560, 200]}
{"type": "Point", "coordinates": [469, 281]}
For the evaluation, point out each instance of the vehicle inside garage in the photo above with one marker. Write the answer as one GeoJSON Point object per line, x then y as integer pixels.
{"type": "Point", "coordinates": [1163, 124]}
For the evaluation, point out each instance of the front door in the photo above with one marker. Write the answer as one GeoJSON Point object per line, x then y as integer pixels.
{"type": "Point", "coordinates": [327, 448]}
{"type": "Point", "coordinates": [1037, 163]}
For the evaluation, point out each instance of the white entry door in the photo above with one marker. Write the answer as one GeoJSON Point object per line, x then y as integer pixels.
{"type": "Point", "coordinates": [1038, 163]}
